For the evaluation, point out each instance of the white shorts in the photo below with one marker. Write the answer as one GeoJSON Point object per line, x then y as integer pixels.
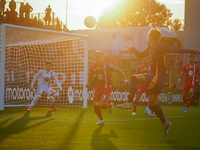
{"type": "Point", "coordinates": [45, 89]}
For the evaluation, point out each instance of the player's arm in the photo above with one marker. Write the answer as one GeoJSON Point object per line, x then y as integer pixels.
{"type": "Point", "coordinates": [179, 79]}
{"type": "Point", "coordinates": [89, 80]}
{"type": "Point", "coordinates": [34, 79]}
{"type": "Point", "coordinates": [138, 70]}
{"type": "Point", "coordinates": [57, 82]}
{"type": "Point", "coordinates": [181, 75]}
{"type": "Point", "coordinates": [121, 73]}
{"type": "Point", "coordinates": [139, 54]}
{"type": "Point", "coordinates": [90, 77]}
{"type": "Point", "coordinates": [171, 49]}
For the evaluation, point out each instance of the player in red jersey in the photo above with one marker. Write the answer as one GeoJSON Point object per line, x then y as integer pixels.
{"type": "Point", "coordinates": [101, 72]}
{"type": "Point", "coordinates": [191, 69]}
{"type": "Point", "coordinates": [145, 68]}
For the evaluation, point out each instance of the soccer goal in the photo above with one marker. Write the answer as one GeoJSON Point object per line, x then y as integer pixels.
{"type": "Point", "coordinates": [24, 52]}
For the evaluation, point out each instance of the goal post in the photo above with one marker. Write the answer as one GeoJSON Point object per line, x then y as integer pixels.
{"type": "Point", "coordinates": [25, 50]}
{"type": "Point", "coordinates": [2, 67]}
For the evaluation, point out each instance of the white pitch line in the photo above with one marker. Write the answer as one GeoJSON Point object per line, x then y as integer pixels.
{"type": "Point", "coordinates": [156, 118]}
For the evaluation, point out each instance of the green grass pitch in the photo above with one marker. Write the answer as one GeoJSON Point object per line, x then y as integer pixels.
{"type": "Point", "coordinates": [75, 128]}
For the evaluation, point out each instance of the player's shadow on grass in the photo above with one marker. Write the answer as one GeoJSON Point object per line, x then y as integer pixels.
{"type": "Point", "coordinates": [73, 132]}
{"type": "Point", "coordinates": [101, 141]}
{"type": "Point", "coordinates": [20, 125]}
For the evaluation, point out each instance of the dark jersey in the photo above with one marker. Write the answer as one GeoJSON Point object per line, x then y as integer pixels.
{"type": "Point", "coordinates": [157, 56]}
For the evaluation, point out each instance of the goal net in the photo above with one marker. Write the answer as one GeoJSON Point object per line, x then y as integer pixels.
{"type": "Point", "coordinates": [24, 52]}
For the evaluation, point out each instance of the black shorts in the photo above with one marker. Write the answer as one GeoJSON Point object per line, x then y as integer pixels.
{"type": "Point", "coordinates": [156, 83]}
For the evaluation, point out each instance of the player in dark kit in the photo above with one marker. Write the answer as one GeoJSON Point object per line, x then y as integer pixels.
{"type": "Point", "coordinates": [156, 79]}
{"type": "Point", "coordinates": [144, 68]}
{"type": "Point", "coordinates": [101, 72]}
{"type": "Point", "coordinates": [191, 69]}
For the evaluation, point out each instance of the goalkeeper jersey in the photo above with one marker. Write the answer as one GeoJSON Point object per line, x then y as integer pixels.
{"type": "Point", "coordinates": [45, 79]}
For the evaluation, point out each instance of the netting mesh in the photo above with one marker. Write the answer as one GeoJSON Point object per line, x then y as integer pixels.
{"type": "Point", "coordinates": [26, 52]}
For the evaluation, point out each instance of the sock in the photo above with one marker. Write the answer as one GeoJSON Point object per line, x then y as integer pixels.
{"type": "Point", "coordinates": [37, 97]}
{"type": "Point", "coordinates": [149, 108]}
{"type": "Point", "coordinates": [159, 113]}
{"type": "Point", "coordinates": [55, 98]}
{"type": "Point", "coordinates": [107, 106]}
{"type": "Point", "coordinates": [135, 104]}
{"type": "Point", "coordinates": [188, 101]}
{"type": "Point", "coordinates": [132, 88]}
{"type": "Point", "coordinates": [97, 110]}
{"type": "Point", "coordinates": [185, 99]}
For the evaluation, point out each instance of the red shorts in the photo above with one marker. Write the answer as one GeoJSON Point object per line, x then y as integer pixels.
{"type": "Point", "coordinates": [102, 93]}
{"type": "Point", "coordinates": [141, 89]}
{"type": "Point", "coordinates": [188, 87]}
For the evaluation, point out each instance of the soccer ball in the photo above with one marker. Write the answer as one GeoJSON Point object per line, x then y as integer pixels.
{"type": "Point", "coordinates": [90, 22]}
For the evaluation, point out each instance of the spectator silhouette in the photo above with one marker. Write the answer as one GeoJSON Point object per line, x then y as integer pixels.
{"type": "Point", "coordinates": [65, 29]}
{"type": "Point", "coordinates": [21, 13]}
{"type": "Point", "coordinates": [13, 17]}
{"type": "Point", "coordinates": [2, 7]}
{"type": "Point", "coordinates": [40, 24]}
{"type": "Point", "coordinates": [27, 10]}
{"type": "Point", "coordinates": [58, 25]}
{"type": "Point", "coordinates": [12, 5]}
{"type": "Point", "coordinates": [13, 13]}
{"type": "Point", "coordinates": [7, 16]}
{"type": "Point", "coordinates": [47, 17]}
{"type": "Point", "coordinates": [34, 22]}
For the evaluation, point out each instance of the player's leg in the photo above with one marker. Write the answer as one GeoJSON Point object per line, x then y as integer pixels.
{"type": "Point", "coordinates": [134, 81]}
{"type": "Point", "coordinates": [148, 111]}
{"type": "Point", "coordinates": [156, 85]}
{"type": "Point", "coordinates": [103, 101]}
{"type": "Point", "coordinates": [105, 105]}
{"type": "Point", "coordinates": [188, 101]}
{"type": "Point", "coordinates": [147, 97]}
{"type": "Point", "coordinates": [141, 89]}
{"type": "Point", "coordinates": [135, 102]}
{"type": "Point", "coordinates": [153, 103]}
{"type": "Point", "coordinates": [34, 101]}
{"type": "Point", "coordinates": [188, 97]}
{"type": "Point", "coordinates": [155, 89]}
{"type": "Point", "coordinates": [55, 96]}
{"type": "Point", "coordinates": [97, 109]}
{"type": "Point", "coordinates": [185, 94]}
{"type": "Point", "coordinates": [36, 98]}
{"type": "Point", "coordinates": [138, 79]}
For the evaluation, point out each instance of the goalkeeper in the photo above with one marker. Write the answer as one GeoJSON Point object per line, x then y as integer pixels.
{"type": "Point", "coordinates": [45, 77]}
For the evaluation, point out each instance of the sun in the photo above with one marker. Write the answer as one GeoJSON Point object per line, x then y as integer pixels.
{"type": "Point", "coordinates": [78, 10]}
{"type": "Point", "coordinates": [91, 7]}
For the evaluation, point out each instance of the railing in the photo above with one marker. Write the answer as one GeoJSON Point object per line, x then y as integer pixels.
{"type": "Point", "coordinates": [39, 17]}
